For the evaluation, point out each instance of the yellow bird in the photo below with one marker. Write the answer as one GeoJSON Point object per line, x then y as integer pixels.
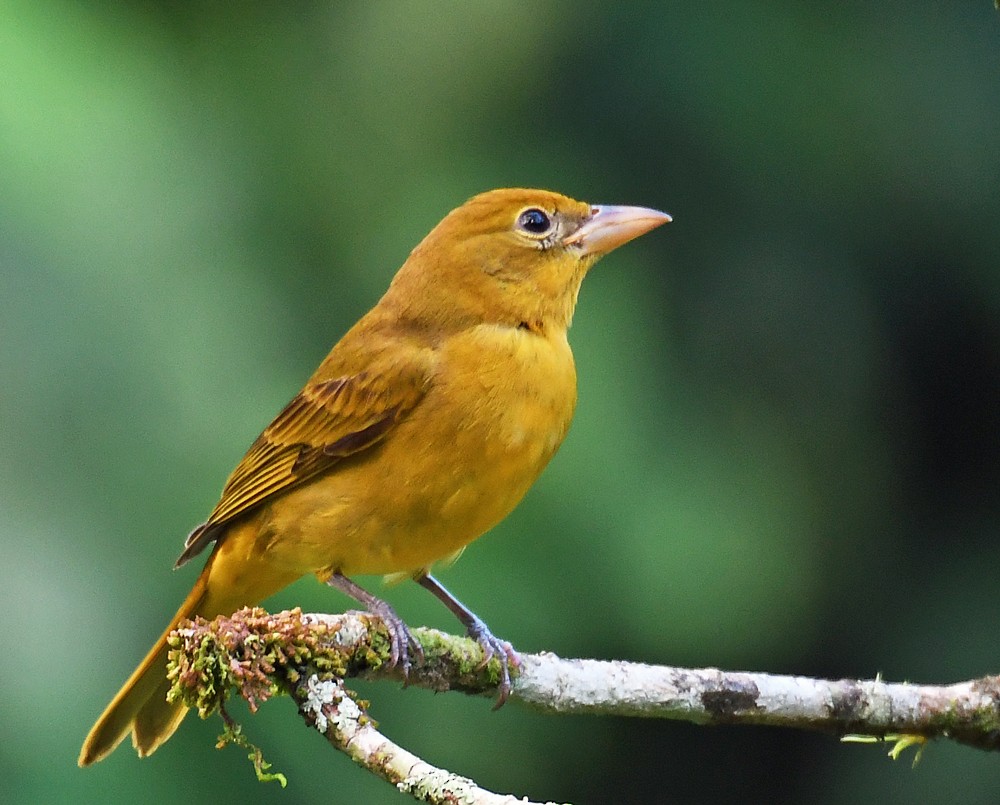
{"type": "Point", "coordinates": [422, 429]}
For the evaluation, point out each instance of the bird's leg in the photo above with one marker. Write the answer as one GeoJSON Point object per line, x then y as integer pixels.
{"type": "Point", "coordinates": [478, 631]}
{"type": "Point", "coordinates": [400, 639]}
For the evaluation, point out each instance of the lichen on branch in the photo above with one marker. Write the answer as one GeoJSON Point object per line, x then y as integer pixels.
{"type": "Point", "coordinates": [256, 653]}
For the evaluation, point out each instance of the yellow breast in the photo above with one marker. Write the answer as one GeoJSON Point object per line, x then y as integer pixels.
{"type": "Point", "coordinates": [457, 465]}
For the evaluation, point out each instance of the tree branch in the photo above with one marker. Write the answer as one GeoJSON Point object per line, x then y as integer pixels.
{"type": "Point", "coordinates": [308, 656]}
{"type": "Point", "coordinates": [336, 715]}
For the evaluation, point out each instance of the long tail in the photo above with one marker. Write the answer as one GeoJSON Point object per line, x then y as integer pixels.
{"type": "Point", "coordinates": [141, 705]}
{"type": "Point", "coordinates": [231, 579]}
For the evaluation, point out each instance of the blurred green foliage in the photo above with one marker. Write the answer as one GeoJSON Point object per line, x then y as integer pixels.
{"type": "Point", "coordinates": [787, 450]}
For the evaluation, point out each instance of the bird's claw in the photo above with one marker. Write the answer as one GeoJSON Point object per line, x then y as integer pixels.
{"type": "Point", "coordinates": [493, 646]}
{"type": "Point", "coordinates": [402, 643]}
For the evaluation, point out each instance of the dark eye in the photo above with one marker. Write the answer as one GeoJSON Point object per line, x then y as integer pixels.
{"type": "Point", "coordinates": [534, 221]}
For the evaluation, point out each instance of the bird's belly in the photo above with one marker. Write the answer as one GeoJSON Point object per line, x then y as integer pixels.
{"type": "Point", "coordinates": [449, 472]}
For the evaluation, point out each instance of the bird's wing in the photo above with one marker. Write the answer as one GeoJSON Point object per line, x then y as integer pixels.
{"type": "Point", "coordinates": [328, 421]}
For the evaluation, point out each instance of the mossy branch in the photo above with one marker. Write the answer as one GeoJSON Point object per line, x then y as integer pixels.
{"type": "Point", "coordinates": [309, 656]}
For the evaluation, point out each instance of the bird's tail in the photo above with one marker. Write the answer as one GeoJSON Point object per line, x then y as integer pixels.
{"type": "Point", "coordinates": [236, 575]}
{"type": "Point", "coordinates": [141, 705]}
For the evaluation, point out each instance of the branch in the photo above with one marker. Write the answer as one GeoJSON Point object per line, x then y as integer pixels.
{"type": "Point", "coordinates": [308, 656]}
{"type": "Point", "coordinates": [331, 710]}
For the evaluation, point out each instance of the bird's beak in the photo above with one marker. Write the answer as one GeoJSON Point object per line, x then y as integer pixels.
{"type": "Point", "coordinates": [608, 227]}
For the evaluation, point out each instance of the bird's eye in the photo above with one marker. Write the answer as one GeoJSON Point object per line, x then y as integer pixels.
{"type": "Point", "coordinates": [534, 221]}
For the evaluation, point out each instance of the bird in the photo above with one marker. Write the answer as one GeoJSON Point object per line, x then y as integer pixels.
{"type": "Point", "coordinates": [422, 429]}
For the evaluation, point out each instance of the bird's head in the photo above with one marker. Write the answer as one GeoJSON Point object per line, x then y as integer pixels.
{"type": "Point", "coordinates": [514, 257]}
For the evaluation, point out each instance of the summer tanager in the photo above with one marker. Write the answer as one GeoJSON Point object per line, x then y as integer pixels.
{"type": "Point", "coordinates": [421, 430]}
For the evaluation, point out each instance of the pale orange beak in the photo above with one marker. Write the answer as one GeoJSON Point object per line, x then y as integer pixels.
{"type": "Point", "coordinates": [609, 227]}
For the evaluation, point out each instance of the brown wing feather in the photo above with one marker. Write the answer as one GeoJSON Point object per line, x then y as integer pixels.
{"type": "Point", "coordinates": [327, 421]}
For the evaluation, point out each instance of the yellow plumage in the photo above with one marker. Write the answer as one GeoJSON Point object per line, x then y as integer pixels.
{"type": "Point", "coordinates": [422, 429]}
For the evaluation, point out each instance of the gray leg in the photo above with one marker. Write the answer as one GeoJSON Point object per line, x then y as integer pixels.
{"type": "Point", "coordinates": [401, 641]}
{"type": "Point", "coordinates": [479, 631]}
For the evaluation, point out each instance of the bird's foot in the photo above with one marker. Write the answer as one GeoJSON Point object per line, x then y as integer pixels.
{"type": "Point", "coordinates": [480, 632]}
{"type": "Point", "coordinates": [492, 647]}
{"type": "Point", "coordinates": [402, 644]}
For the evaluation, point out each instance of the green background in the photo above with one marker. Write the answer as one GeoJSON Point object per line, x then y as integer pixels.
{"type": "Point", "coordinates": [786, 455]}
